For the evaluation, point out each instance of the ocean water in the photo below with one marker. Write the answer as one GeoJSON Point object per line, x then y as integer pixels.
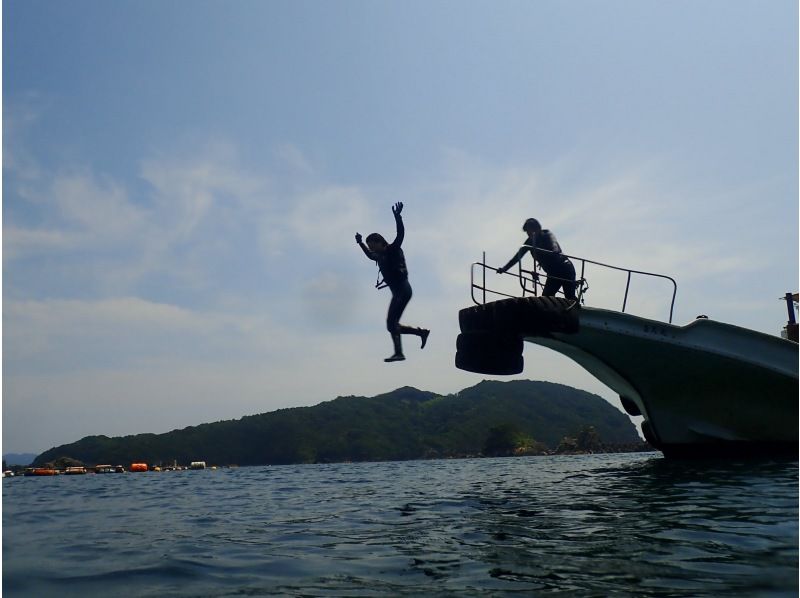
{"type": "Point", "coordinates": [593, 525]}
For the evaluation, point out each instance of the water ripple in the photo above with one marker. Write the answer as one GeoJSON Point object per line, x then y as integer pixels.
{"type": "Point", "coordinates": [629, 525]}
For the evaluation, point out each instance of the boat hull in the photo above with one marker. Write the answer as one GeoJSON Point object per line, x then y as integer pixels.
{"type": "Point", "coordinates": [704, 389]}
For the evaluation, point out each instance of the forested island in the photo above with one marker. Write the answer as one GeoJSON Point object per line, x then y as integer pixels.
{"type": "Point", "coordinates": [489, 419]}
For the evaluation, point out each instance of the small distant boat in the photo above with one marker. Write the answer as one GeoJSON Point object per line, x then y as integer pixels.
{"type": "Point", "coordinates": [8, 473]}
{"type": "Point", "coordinates": [704, 389]}
{"type": "Point", "coordinates": [138, 467]}
{"type": "Point", "coordinates": [75, 470]}
{"type": "Point", "coordinates": [197, 465]}
{"type": "Point", "coordinates": [104, 468]}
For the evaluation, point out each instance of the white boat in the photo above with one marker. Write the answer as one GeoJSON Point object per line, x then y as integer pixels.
{"type": "Point", "coordinates": [704, 389]}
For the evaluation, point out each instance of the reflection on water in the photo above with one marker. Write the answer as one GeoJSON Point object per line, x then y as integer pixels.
{"type": "Point", "coordinates": [585, 525]}
{"type": "Point", "coordinates": [650, 527]}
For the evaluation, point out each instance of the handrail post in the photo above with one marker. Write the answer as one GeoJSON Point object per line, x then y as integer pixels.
{"type": "Point", "coordinates": [582, 279]}
{"type": "Point", "coordinates": [790, 308]}
{"type": "Point", "coordinates": [672, 304]}
{"type": "Point", "coordinates": [484, 278]}
{"type": "Point", "coordinates": [627, 287]}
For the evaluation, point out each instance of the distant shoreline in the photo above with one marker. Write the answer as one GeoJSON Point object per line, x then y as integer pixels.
{"type": "Point", "coordinates": [20, 470]}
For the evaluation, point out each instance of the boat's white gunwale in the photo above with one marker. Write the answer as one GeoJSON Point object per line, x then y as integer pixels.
{"type": "Point", "coordinates": [702, 335]}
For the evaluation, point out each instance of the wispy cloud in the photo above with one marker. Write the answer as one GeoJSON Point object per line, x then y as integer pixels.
{"type": "Point", "coordinates": [75, 211]}
{"type": "Point", "coordinates": [313, 327]}
{"type": "Point", "coordinates": [19, 242]}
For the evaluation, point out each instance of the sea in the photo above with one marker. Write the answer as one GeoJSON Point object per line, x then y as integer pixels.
{"type": "Point", "coordinates": [583, 525]}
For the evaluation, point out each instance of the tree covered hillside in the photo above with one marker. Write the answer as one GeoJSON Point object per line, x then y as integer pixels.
{"type": "Point", "coordinates": [403, 424]}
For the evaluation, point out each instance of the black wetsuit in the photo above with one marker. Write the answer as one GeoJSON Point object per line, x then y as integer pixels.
{"type": "Point", "coordinates": [392, 264]}
{"type": "Point", "coordinates": [560, 271]}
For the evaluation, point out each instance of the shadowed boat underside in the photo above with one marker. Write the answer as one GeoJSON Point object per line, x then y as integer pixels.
{"type": "Point", "coordinates": [703, 389]}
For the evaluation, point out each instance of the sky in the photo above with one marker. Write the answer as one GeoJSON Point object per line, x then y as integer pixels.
{"type": "Point", "coordinates": [182, 183]}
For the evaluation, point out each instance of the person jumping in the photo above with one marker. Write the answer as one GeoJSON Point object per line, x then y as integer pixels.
{"type": "Point", "coordinates": [392, 264]}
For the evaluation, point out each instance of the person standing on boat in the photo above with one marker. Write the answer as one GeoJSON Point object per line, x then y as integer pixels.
{"type": "Point", "coordinates": [392, 264]}
{"type": "Point", "coordinates": [560, 271]}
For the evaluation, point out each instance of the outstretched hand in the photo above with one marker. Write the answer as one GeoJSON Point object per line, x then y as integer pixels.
{"type": "Point", "coordinates": [358, 238]}
{"type": "Point", "coordinates": [397, 208]}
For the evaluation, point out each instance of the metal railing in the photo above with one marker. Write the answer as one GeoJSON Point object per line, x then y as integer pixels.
{"type": "Point", "coordinates": [530, 280]}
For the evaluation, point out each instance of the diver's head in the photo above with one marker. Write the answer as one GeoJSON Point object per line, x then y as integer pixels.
{"type": "Point", "coordinates": [531, 226]}
{"type": "Point", "coordinates": [376, 242]}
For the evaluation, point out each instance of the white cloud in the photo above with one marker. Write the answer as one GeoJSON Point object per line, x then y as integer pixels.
{"type": "Point", "coordinates": [317, 329]}
{"type": "Point", "coordinates": [209, 183]}
{"type": "Point", "coordinates": [62, 331]}
{"type": "Point", "coordinates": [323, 218]}
{"type": "Point", "coordinates": [78, 211]}
{"type": "Point", "coordinates": [629, 219]}
{"type": "Point", "coordinates": [19, 114]}
{"type": "Point", "coordinates": [101, 210]}
{"type": "Point", "coordinates": [18, 242]}
{"type": "Point", "coordinates": [330, 300]}
{"type": "Point", "coordinates": [294, 158]}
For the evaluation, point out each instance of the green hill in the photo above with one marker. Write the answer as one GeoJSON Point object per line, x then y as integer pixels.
{"type": "Point", "coordinates": [403, 424]}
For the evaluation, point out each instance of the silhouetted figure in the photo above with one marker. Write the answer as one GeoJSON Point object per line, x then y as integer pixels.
{"type": "Point", "coordinates": [560, 271]}
{"type": "Point", "coordinates": [392, 264]}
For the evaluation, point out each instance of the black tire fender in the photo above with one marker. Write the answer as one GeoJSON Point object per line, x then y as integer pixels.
{"type": "Point", "coordinates": [476, 318]}
{"type": "Point", "coordinates": [525, 315]}
{"type": "Point", "coordinates": [489, 343]}
{"type": "Point", "coordinates": [492, 365]}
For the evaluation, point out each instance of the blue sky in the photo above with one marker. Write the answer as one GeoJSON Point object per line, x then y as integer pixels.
{"type": "Point", "coordinates": [182, 182]}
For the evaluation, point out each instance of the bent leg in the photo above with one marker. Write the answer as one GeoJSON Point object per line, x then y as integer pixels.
{"type": "Point", "coordinates": [400, 298]}
{"type": "Point", "coordinates": [569, 290]}
{"type": "Point", "coordinates": [551, 286]}
{"type": "Point", "coordinates": [563, 276]}
{"type": "Point", "coordinates": [569, 282]}
{"type": "Point", "coordinates": [401, 295]}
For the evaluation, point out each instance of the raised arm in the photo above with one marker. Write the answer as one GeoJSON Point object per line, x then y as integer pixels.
{"type": "Point", "coordinates": [398, 219]}
{"type": "Point", "coordinates": [364, 248]}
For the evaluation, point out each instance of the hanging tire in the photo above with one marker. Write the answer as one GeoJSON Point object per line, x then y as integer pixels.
{"type": "Point", "coordinates": [508, 315]}
{"type": "Point", "coordinates": [476, 318]}
{"type": "Point", "coordinates": [489, 353]}
{"type": "Point", "coordinates": [495, 364]}
{"type": "Point", "coordinates": [527, 316]}
{"type": "Point", "coordinates": [489, 343]}
{"type": "Point", "coordinates": [542, 315]}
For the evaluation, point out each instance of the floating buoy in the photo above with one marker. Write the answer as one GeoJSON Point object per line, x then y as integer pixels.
{"type": "Point", "coordinates": [44, 471]}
